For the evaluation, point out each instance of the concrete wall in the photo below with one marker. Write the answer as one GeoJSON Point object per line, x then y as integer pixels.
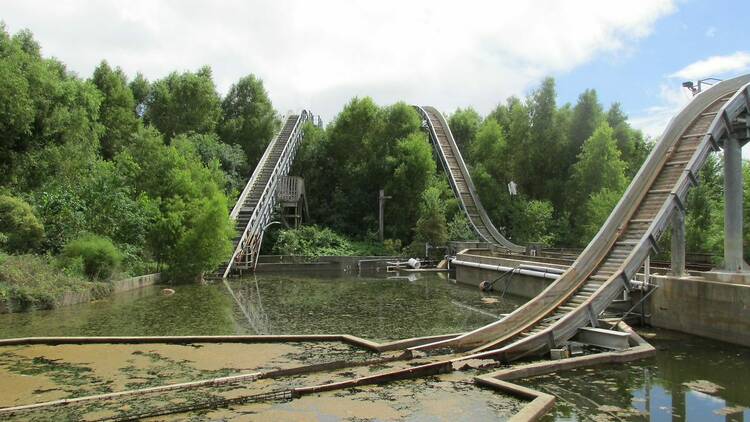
{"type": "Point", "coordinates": [333, 264]}
{"type": "Point", "coordinates": [705, 308]}
{"type": "Point", "coordinates": [520, 285]}
{"type": "Point", "coordinates": [133, 283]}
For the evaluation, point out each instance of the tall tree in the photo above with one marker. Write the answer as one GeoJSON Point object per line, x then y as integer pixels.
{"type": "Point", "coordinates": [587, 115]}
{"type": "Point", "coordinates": [248, 118]}
{"type": "Point", "coordinates": [182, 103]}
{"type": "Point", "coordinates": [116, 110]}
{"type": "Point", "coordinates": [464, 124]}
{"type": "Point", "coordinates": [141, 89]}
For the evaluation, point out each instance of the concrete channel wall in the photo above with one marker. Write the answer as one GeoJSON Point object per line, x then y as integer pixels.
{"type": "Point", "coordinates": [692, 305]}
{"type": "Point", "coordinates": [116, 286]}
{"type": "Point", "coordinates": [520, 285]}
{"type": "Point", "coordinates": [322, 264]}
{"type": "Point", "coordinates": [705, 308]}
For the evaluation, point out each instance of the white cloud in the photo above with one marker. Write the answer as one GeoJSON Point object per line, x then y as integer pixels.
{"type": "Point", "coordinates": [653, 120]}
{"type": "Point", "coordinates": [714, 66]}
{"type": "Point", "coordinates": [672, 96]}
{"type": "Point", "coordinates": [320, 54]}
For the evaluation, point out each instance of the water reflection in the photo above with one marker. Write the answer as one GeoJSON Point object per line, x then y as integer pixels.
{"type": "Point", "coordinates": [690, 379]}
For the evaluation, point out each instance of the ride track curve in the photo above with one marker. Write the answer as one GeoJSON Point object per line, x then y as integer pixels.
{"type": "Point", "coordinates": [603, 270]}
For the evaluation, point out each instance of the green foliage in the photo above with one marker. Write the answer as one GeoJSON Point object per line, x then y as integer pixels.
{"type": "Point", "coordinates": [464, 124]}
{"type": "Point", "coordinates": [413, 166]}
{"type": "Point", "coordinates": [459, 228]}
{"type": "Point", "coordinates": [431, 226]}
{"type": "Point", "coordinates": [599, 165]}
{"type": "Point", "coordinates": [598, 207]}
{"type": "Point", "coordinates": [36, 282]}
{"type": "Point", "coordinates": [117, 109]}
{"type": "Point", "coordinates": [312, 241]}
{"type": "Point", "coordinates": [248, 118]}
{"type": "Point", "coordinates": [210, 149]}
{"type": "Point", "coordinates": [206, 243]}
{"type": "Point", "coordinates": [182, 103]}
{"type": "Point", "coordinates": [98, 254]}
{"type": "Point", "coordinates": [534, 222]}
{"type": "Point", "coordinates": [141, 89]}
{"type": "Point", "coordinates": [21, 230]}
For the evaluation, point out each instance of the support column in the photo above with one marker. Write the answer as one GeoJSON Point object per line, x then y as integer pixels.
{"type": "Point", "coordinates": [678, 243]}
{"type": "Point", "coordinates": [733, 260]}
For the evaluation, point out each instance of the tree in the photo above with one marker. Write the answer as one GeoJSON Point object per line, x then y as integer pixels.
{"type": "Point", "coordinates": [20, 229]}
{"type": "Point", "coordinates": [248, 118]}
{"type": "Point", "coordinates": [599, 168]}
{"type": "Point", "coordinates": [413, 166]}
{"type": "Point", "coordinates": [598, 207]}
{"type": "Point", "coordinates": [587, 116]}
{"type": "Point", "coordinates": [209, 148]}
{"type": "Point", "coordinates": [630, 141]}
{"type": "Point", "coordinates": [182, 103]}
{"type": "Point", "coordinates": [431, 226]}
{"type": "Point", "coordinates": [541, 150]}
{"type": "Point", "coordinates": [464, 124]}
{"type": "Point", "coordinates": [206, 243]}
{"type": "Point", "coordinates": [116, 110]}
{"type": "Point", "coordinates": [141, 89]}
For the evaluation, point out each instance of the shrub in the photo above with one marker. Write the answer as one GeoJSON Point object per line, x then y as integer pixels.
{"type": "Point", "coordinates": [312, 241]}
{"type": "Point", "coordinates": [20, 229]}
{"type": "Point", "coordinates": [34, 282]}
{"type": "Point", "coordinates": [99, 255]}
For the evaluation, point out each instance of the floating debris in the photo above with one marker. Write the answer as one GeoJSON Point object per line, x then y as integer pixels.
{"type": "Point", "coordinates": [703, 386]}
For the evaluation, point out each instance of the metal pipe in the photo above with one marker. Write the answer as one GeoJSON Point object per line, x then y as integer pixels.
{"type": "Point", "coordinates": [542, 269]}
{"type": "Point", "coordinates": [521, 271]}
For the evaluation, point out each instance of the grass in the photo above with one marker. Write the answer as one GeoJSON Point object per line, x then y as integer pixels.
{"type": "Point", "coordinates": [36, 282]}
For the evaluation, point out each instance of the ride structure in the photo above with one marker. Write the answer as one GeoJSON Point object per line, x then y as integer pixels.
{"type": "Point", "coordinates": [460, 179]}
{"type": "Point", "coordinates": [716, 118]}
{"type": "Point", "coordinates": [253, 211]}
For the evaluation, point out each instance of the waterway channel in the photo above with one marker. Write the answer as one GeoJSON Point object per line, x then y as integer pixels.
{"type": "Point", "coordinates": [690, 378]}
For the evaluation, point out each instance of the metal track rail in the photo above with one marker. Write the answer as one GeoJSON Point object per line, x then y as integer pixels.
{"type": "Point", "coordinates": [632, 230]}
{"type": "Point", "coordinates": [460, 179]}
{"type": "Point", "coordinates": [255, 206]}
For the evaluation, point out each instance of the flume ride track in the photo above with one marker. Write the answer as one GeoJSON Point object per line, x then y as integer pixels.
{"type": "Point", "coordinates": [620, 247]}
{"type": "Point", "coordinates": [460, 179]}
{"type": "Point", "coordinates": [255, 206]}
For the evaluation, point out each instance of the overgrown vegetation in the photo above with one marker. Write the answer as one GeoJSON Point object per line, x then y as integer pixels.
{"type": "Point", "coordinates": [40, 282]}
{"type": "Point", "coordinates": [110, 172]}
{"type": "Point", "coordinates": [96, 256]}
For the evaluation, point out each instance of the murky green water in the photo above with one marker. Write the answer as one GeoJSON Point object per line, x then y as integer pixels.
{"type": "Point", "coordinates": [690, 379]}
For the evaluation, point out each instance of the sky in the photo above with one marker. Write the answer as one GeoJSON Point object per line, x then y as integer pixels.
{"type": "Point", "coordinates": [318, 55]}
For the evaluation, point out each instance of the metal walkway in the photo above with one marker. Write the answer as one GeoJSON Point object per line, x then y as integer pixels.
{"type": "Point", "coordinates": [460, 179]}
{"type": "Point", "coordinates": [605, 267]}
{"type": "Point", "coordinates": [255, 206]}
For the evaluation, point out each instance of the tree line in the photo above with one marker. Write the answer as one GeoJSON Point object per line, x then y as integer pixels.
{"type": "Point", "coordinates": [147, 166]}
{"type": "Point", "coordinates": [152, 167]}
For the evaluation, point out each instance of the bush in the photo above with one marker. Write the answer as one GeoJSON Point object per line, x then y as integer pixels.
{"type": "Point", "coordinates": [20, 230]}
{"type": "Point", "coordinates": [99, 255]}
{"type": "Point", "coordinates": [312, 241]}
{"type": "Point", "coordinates": [35, 282]}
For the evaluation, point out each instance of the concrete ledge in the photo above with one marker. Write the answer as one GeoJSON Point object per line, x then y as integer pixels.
{"type": "Point", "coordinates": [701, 307]}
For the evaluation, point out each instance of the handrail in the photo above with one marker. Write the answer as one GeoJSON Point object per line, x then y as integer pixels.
{"type": "Point", "coordinates": [262, 209]}
{"type": "Point", "coordinates": [256, 172]}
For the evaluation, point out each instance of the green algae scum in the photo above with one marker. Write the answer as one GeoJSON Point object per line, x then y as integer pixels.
{"type": "Point", "coordinates": [689, 378]}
